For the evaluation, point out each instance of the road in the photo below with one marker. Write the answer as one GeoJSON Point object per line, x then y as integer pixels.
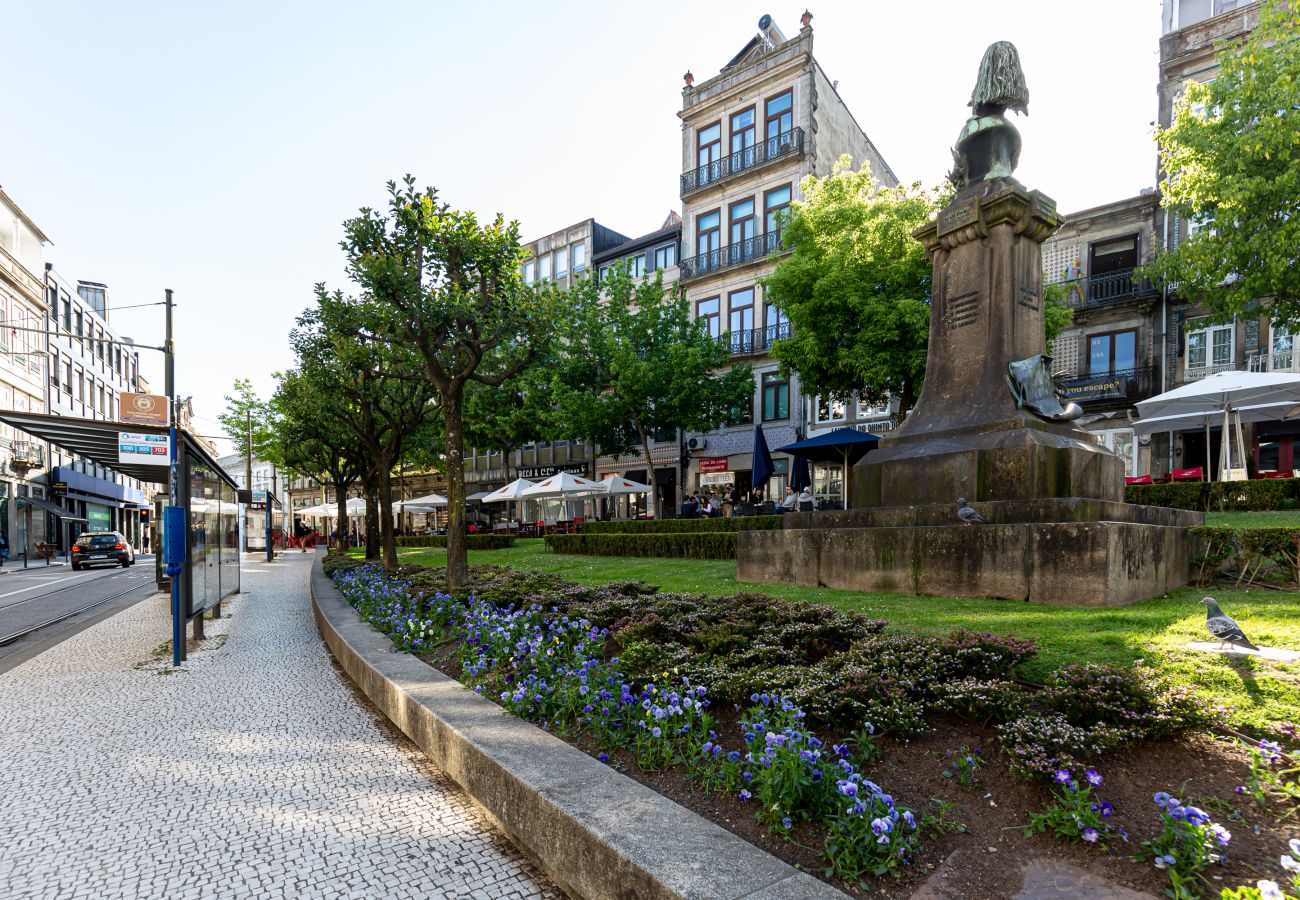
{"type": "Point", "coordinates": [41, 606]}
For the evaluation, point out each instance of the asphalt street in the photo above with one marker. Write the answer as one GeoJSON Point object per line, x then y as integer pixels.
{"type": "Point", "coordinates": [41, 606]}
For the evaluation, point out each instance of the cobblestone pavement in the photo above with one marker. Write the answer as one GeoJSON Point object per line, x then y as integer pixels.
{"type": "Point", "coordinates": [255, 772]}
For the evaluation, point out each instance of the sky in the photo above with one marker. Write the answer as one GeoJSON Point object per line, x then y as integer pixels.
{"type": "Point", "coordinates": [215, 149]}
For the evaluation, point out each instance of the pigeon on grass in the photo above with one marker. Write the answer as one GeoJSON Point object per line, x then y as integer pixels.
{"type": "Point", "coordinates": [967, 515]}
{"type": "Point", "coordinates": [1223, 628]}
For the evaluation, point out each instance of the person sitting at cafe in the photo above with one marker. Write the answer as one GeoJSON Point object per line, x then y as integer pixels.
{"type": "Point", "coordinates": [806, 500]}
{"type": "Point", "coordinates": [706, 507]}
{"type": "Point", "coordinates": [689, 507]}
{"type": "Point", "coordinates": [791, 498]}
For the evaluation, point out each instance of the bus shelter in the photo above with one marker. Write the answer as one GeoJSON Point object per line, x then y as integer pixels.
{"type": "Point", "coordinates": [207, 494]}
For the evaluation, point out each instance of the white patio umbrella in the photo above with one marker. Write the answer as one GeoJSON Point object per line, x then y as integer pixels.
{"type": "Point", "coordinates": [421, 504]}
{"type": "Point", "coordinates": [1222, 399]}
{"type": "Point", "coordinates": [564, 484]}
{"type": "Point", "coordinates": [617, 484]}
{"type": "Point", "coordinates": [512, 491]}
{"type": "Point", "coordinates": [319, 510]}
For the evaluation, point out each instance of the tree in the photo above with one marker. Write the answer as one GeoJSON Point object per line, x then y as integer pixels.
{"type": "Point", "coordinates": [241, 408]}
{"type": "Point", "coordinates": [856, 287]}
{"type": "Point", "coordinates": [635, 364]}
{"type": "Point", "coordinates": [1231, 159]}
{"type": "Point", "coordinates": [1057, 316]}
{"type": "Point", "coordinates": [438, 282]}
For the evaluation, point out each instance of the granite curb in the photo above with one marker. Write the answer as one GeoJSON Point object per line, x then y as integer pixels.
{"type": "Point", "coordinates": [593, 830]}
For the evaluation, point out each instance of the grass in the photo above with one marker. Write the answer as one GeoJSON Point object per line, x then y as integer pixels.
{"type": "Point", "coordinates": [1260, 694]}
{"type": "Point", "coordinates": [1285, 518]}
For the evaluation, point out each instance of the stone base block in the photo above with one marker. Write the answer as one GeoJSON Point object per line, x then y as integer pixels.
{"type": "Point", "coordinates": [1065, 563]}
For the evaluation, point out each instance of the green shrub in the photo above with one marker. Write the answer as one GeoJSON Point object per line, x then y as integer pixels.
{"type": "Point", "coordinates": [1256, 495]}
{"type": "Point", "coordinates": [1247, 549]}
{"type": "Point", "coordinates": [683, 526]}
{"type": "Point", "coordinates": [702, 545]}
{"type": "Point", "coordinates": [1176, 495]}
{"type": "Point", "coordinates": [473, 541]}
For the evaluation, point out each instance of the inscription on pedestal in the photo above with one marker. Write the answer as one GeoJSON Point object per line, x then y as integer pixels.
{"type": "Point", "coordinates": [959, 216]}
{"type": "Point", "coordinates": [961, 310]}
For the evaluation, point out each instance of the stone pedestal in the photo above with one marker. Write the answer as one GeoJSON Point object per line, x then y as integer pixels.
{"type": "Point", "coordinates": [1059, 533]}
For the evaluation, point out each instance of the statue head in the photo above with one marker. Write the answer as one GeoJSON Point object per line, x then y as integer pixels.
{"type": "Point", "coordinates": [1001, 84]}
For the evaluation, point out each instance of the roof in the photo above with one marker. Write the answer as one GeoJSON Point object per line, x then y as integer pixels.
{"type": "Point", "coordinates": [673, 230]}
{"type": "Point", "coordinates": [96, 440]}
{"type": "Point", "coordinates": [22, 215]}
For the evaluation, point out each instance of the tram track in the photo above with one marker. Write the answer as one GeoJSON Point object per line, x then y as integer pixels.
{"type": "Point", "coordinates": [63, 615]}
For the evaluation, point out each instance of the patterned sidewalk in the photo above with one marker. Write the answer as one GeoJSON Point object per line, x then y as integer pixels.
{"type": "Point", "coordinates": [256, 772]}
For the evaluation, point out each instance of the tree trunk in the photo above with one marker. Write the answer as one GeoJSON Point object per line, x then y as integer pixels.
{"type": "Point", "coordinates": [653, 505]}
{"type": "Point", "coordinates": [457, 552]}
{"type": "Point", "coordinates": [341, 524]}
{"type": "Point", "coordinates": [372, 518]}
{"type": "Point", "coordinates": [388, 543]}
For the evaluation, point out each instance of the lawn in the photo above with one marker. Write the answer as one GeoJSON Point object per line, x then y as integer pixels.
{"type": "Point", "coordinates": [1260, 694]}
{"type": "Point", "coordinates": [1285, 518]}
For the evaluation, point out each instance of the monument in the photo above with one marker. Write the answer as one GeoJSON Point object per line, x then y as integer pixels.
{"type": "Point", "coordinates": [988, 426]}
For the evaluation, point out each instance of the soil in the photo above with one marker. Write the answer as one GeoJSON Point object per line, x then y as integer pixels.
{"type": "Point", "coordinates": [987, 842]}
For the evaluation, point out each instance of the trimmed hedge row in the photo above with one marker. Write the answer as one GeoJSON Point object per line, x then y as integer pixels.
{"type": "Point", "coordinates": [1248, 549]}
{"type": "Point", "coordinates": [684, 526]}
{"type": "Point", "coordinates": [699, 545]}
{"type": "Point", "coordinates": [1247, 496]}
{"type": "Point", "coordinates": [473, 541]}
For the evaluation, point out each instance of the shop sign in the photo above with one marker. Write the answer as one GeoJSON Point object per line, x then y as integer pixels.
{"type": "Point", "coordinates": [146, 449]}
{"type": "Point", "coordinates": [1098, 387]}
{"type": "Point", "coordinates": [716, 478]}
{"type": "Point", "coordinates": [715, 464]}
{"type": "Point", "coordinates": [781, 466]}
{"type": "Point", "coordinates": [147, 409]}
{"type": "Point", "coordinates": [59, 489]}
{"type": "Point", "coordinates": [534, 472]}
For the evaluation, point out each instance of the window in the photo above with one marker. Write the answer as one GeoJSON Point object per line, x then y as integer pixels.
{"type": "Point", "coordinates": [744, 224]}
{"type": "Point", "coordinates": [743, 135]}
{"type": "Point", "coordinates": [708, 151]}
{"type": "Point", "coordinates": [561, 263]}
{"type": "Point", "coordinates": [831, 409]}
{"type": "Point", "coordinates": [1113, 255]}
{"type": "Point", "coordinates": [780, 115]}
{"type": "Point", "coordinates": [579, 258]}
{"type": "Point", "coordinates": [636, 265]}
{"type": "Point", "coordinates": [742, 414]}
{"type": "Point", "coordinates": [1112, 352]}
{"type": "Point", "coordinates": [740, 305]}
{"type": "Point", "coordinates": [707, 311]}
{"type": "Point", "coordinates": [708, 232]}
{"type": "Point", "coordinates": [776, 397]}
{"type": "Point", "coordinates": [603, 274]}
{"type": "Point", "coordinates": [1124, 444]}
{"type": "Point", "coordinates": [81, 386]}
{"type": "Point", "coordinates": [543, 267]}
{"type": "Point", "coordinates": [4, 327]}
{"type": "Point", "coordinates": [869, 410]}
{"type": "Point", "coordinates": [55, 371]}
{"type": "Point", "coordinates": [67, 378]}
{"type": "Point", "coordinates": [1211, 345]}
{"type": "Point", "coordinates": [530, 272]}
{"type": "Point", "coordinates": [67, 313]}
{"type": "Point", "coordinates": [666, 256]}
{"type": "Point", "coordinates": [775, 204]}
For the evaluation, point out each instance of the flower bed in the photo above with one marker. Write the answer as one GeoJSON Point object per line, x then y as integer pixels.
{"type": "Point", "coordinates": [795, 711]}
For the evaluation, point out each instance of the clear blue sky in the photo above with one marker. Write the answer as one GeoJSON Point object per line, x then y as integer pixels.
{"type": "Point", "coordinates": [216, 148]}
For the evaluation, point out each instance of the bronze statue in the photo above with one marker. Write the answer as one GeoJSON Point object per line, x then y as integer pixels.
{"type": "Point", "coordinates": [989, 145]}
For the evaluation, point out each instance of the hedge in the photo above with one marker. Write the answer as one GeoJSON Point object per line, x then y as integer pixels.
{"type": "Point", "coordinates": [700, 545]}
{"type": "Point", "coordinates": [473, 541]}
{"type": "Point", "coordinates": [684, 526]}
{"type": "Point", "coordinates": [1248, 549]}
{"type": "Point", "coordinates": [1255, 495]}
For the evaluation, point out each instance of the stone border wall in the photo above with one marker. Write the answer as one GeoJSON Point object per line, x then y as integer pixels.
{"type": "Point", "coordinates": [595, 832]}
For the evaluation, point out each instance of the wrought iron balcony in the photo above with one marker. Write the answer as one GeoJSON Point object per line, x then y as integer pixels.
{"type": "Point", "coordinates": [1277, 361]}
{"type": "Point", "coordinates": [28, 454]}
{"type": "Point", "coordinates": [1196, 373]}
{"type": "Point", "coordinates": [754, 340]}
{"type": "Point", "coordinates": [780, 146]}
{"type": "Point", "coordinates": [747, 251]}
{"type": "Point", "coordinates": [1104, 290]}
{"type": "Point", "coordinates": [1127, 385]}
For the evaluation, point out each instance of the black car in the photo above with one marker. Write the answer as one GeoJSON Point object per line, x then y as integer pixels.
{"type": "Point", "coordinates": [94, 547]}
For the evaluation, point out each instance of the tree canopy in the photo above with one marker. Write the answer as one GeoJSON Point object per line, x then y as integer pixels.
{"type": "Point", "coordinates": [1231, 159]}
{"type": "Point", "coordinates": [243, 408]}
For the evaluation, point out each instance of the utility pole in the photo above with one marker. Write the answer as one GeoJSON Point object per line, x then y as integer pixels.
{"type": "Point", "coordinates": [248, 475]}
{"type": "Point", "coordinates": [174, 570]}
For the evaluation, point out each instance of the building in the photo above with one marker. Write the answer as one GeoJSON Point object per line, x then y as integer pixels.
{"type": "Point", "coordinates": [1108, 359]}
{"type": "Point", "coordinates": [23, 519]}
{"type": "Point", "coordinates": [90, 367]}
{"type": "Point", "coordinates": [750, 135]}
{"type": "Point", "coordinates": [267, 478]}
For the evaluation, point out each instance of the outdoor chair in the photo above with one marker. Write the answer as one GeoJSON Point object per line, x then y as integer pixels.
{"type": "Point", "coordinates": [806, 506]}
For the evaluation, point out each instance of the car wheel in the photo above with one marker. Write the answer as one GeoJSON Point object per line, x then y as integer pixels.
{"type": "Point", "coordinates": [76, 568]}
{"type": "Point", "coordinates": [125, 564]}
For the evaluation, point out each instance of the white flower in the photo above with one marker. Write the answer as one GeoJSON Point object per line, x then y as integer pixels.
{"type": "Point", "coordinates": [1268, 890]}
{"type": "Point", "coordinates": [1290, 863]}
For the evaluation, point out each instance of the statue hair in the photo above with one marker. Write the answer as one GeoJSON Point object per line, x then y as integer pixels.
{"type": "Point", "coordinates": [1001, 81]}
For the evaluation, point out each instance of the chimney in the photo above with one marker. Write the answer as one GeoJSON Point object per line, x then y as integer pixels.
{"type": "Point", "coordinates": [688, 78]}
{"type": "Point", "coordinates": [806, 19]}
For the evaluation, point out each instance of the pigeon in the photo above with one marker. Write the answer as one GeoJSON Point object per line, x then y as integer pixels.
{"type": "Point", "coordinates": [967, 515]}
{"type": "Point", "coordinates": [1223, 628]}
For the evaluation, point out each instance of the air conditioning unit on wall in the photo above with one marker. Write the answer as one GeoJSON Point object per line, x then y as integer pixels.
{"type": "Point", "coordinates": [696, 443]}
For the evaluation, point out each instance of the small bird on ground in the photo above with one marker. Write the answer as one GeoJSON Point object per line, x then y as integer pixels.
{"type": "Point", "coordinates": [1223, 628]}
{"type": "Point", "coordinates": [967, 515]}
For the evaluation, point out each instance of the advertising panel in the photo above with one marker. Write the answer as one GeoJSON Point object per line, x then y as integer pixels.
{"type": "Point", "coordinates": [146, 449]}
{"type": "Point", "coordinates": [715, 464]}
{"type": "Point", "coordinates": [147, 409]}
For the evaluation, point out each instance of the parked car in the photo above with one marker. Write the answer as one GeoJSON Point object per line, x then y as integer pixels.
{"type": "Point", "coordinates": [94, 547]}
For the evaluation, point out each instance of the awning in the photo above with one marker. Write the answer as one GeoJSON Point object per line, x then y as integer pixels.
{"type": "Point", "coordinates": [833, 446]}
{"type": "Point", "coordinates": [96, 440]}
{"type": "Point", "coordinates": [50, 508]}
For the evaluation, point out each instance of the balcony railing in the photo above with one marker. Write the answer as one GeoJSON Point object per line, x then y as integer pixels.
{"type": "Point", "coordinates": [1196, 373]}
{"type": "Point", "coordinates": [747, 251]}
{"type": "Point", "coordinates": [28, 454]}
{"type": "Point", "coordinates": [1103, 290]}
{"type": "Point", "coordinates": [1127, 385]}
{"type": "Point", "coordinates": [754, 340]}
{"type": "Point", "coordinates": [1277, 361]}
{"type": "Point", "coordinates": [787, 143]}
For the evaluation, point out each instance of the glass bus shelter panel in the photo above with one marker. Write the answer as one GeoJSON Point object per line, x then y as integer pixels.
{"type": "Point", "coordinates": [229, 569]}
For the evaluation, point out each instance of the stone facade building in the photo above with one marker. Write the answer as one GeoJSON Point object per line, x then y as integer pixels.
{"type": "Point", "coordinates": [750, 135]}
